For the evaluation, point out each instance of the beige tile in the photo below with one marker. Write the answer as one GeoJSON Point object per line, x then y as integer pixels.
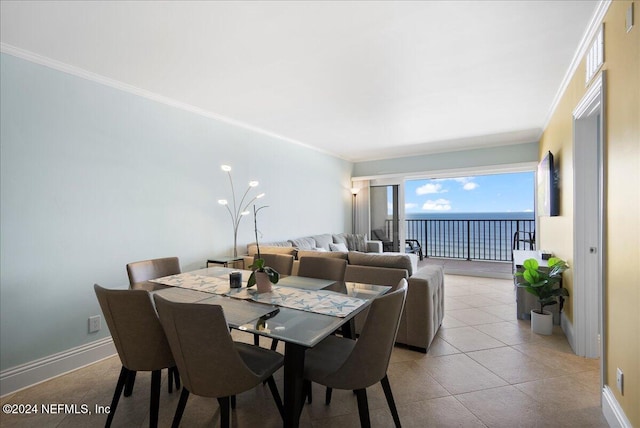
{"type": "Point", "coordinates": [502, 407]}
{"type": "Point", "coordinates": [511, 365]}
{"type": "Point", "coordinates": [410, 382]}
{"type": "Point", "coordinates": [459, 373]}
{"type": "Point", "coordinates": [440, 347]}
{"type": "Point", "coordinates": [473, 316]}
{"type": "Point", "coordinates": [449, 321]}
{"type": "Point", "coordinates": [504, 312]}
{"type": "Point", "coordinates": [508, 332]}
{"type": "Point", "coordinates": [473, 301]}
{"type": "Point", "coordinates": [439, 412]}
{"type": "Point", "coordinates": [455, 303]}
{"type": "Point", "coordinates": [552, 393]}
{"type": "Point", "coordinates": [469, 339]}
{"type": "Point", "coordinates": [558, 355]}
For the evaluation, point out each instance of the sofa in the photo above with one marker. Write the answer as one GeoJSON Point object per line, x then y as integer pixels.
{"type": "Point", "coordinates": [424, 307]}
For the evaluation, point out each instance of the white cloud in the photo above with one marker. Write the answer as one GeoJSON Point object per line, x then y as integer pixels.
{"type": "Point", "coordinates": [437, 205]}
{"type": "Point", "coordinates": [410, 205]}
{"type": "Point", "coordinates": [429, 188]}
{"type": "Point", "coordinates": [470, 185]}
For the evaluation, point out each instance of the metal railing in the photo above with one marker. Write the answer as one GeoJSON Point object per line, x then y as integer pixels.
{"type": "Point", "coordinates": [490, 239]}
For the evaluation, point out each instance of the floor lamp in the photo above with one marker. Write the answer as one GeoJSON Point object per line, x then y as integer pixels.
{"type": "Point", "coordinates": [354, 192]}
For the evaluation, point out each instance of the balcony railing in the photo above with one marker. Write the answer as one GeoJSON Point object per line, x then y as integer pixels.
{"type": "Point", "coordinates": [490, 239]}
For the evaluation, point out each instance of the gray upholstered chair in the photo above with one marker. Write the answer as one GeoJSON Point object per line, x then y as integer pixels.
{"type": "Point", "coordinates": [210, 362]}
{"type": "Point", "coordinates": [283, 263]}
{"type": "Point", "coordinates": [322, 268]}
{"type": "Point", "coordinates": [342, 363]}
{"type": "Point", "coordinates": [139, 273]}
{"type": "Point", "coordinates": [139, 340]}
{"type": "Point", "coordinates": [377, 276]}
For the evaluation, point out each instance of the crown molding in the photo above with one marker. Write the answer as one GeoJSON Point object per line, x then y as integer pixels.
{"type": "Point", "coordinates": [583, 46]}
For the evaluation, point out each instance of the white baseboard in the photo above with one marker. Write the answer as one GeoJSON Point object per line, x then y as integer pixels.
{"type": "Point", "coordinates": [612, 411]}
{"type": "Point", "coordinates": [35, 372]}
{"type": "Point", "coordinates": [567, 327]}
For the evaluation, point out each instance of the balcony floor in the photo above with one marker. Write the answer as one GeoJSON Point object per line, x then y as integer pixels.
{"type": "Point", "coordinates": [487, 269]}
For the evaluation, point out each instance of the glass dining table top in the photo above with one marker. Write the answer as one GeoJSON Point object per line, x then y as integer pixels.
{"type": "Point", "coordinates": [290, 325]}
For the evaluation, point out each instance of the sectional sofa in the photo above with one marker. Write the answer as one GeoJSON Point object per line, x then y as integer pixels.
{"type": "Point", "coordinates": [424, 307]}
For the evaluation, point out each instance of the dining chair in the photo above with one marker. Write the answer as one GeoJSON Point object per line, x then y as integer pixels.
{"type": "Point", "coordinates": [376, 276]}
{"type": "Point", "coordinates": [322, 268]}
{"type": "Point", "coordinates": [139, 340]}
{"type": "Point", "coordinates": [139, 274]}
{"type": "Point", "coordinates": [142, 271]}
{"type": "Point", "coordinates": [283, 263]}
{"type": "Point", "coordinates": [211, 363]}
{"type": "Point", "coordinates": [342, 363]}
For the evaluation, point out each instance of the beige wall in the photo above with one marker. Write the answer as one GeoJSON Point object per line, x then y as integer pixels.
{"type": "Point", "coordinates": [622, 200]}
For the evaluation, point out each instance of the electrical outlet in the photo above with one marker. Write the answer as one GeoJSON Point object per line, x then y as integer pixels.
{"type": "Point", "coordinates": [94, 323]}
{"type": "Point", "coordinates": [620, 381]}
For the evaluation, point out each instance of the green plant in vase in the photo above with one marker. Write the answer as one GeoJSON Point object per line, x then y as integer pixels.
{"type": "Point", "coordinates": [261, 275]}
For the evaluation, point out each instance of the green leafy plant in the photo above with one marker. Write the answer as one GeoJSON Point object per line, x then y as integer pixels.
{"type": "Point", "coordinates": [544, 282]}
{"type": "Point", "coordinates": [258, 263]}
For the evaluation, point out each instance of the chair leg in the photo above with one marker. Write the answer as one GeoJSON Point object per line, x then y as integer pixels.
{"type": "Point", "coordinates": [276, 395]}
{"type": "Point", "coordinates": [182, 403]}
{"type": "Point", "coordinates": [327, 396]}
{"type": "Point", "coordinates": [225, 413]}
{"type": "Point", "coordinates": [122, 379]}
{"type": "Point", "coordinates": [170, 379]}
{"type": "Point", "coordinates": [274, 344]}
{"type": "Point", "coordinates": [176, 377]}
{"type": "Point", "coordinates": [363, 408]}
{"type": "Point", "coordinates": [154, 404]}
{"type": "Point", "coordinates": [131, 380]}
{"type": "Point", "coordinates": [390, 401]}
{"type": "Point", "coordinates": [233, 402]}
{"type": "Point", "coordinates": [307, 394]}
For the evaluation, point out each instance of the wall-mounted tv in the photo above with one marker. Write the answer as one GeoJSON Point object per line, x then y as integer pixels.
{"type": "Point", "coordinates": [547, 189]}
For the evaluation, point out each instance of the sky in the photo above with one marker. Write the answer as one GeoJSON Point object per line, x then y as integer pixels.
{"type": "Point", "coordinates": [512, 192]}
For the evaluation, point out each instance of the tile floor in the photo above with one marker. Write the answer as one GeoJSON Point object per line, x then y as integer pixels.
{"type": "Point", "coordinates": [484, 369]}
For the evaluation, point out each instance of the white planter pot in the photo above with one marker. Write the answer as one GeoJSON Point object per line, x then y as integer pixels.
{"type": "Point", "coordinates": [542, 323]}
{"type": "Point", "coordinates": [262, 282]}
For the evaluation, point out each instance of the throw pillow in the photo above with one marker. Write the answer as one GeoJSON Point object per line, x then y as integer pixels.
{"type": "Point", "coordinates": [355, 242]}
{"type": "Point", "coordinates": [338, 247]}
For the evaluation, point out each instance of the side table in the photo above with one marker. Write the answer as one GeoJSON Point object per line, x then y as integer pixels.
{"type": "Point", "coordinates": [225, 260]}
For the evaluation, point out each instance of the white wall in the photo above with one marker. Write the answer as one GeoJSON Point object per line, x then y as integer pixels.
{"type": "Point", "coordinates": [93, 177]}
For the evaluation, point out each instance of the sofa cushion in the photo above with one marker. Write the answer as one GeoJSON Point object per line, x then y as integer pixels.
{"type": "Point", "coordinates": [339, 247]}
{"type": "Point", "coordinates": [306, 243]}
{"type": "Point", "coordinates": [323, 241]}
{"type": "Point", "coordinates": [354, 242]}
{"type": "Point", "coordinates": [270, 249]}
{"type": "Point", "coordinates": [398, 261]}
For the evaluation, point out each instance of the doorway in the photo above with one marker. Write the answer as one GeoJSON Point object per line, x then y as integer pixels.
{"type": "Point", "coordinates": [588, 178]}
{"type": "Point", "coordinates": [385, 216]}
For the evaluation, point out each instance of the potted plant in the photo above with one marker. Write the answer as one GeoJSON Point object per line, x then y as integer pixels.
{"type": "Point", "coordinates": [261, 275]}
{"type": "Point", "coordinates": [544, 283]}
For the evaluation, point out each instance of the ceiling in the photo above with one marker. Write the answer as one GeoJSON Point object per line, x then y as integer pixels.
{"type": "Point", "coordinates": [360, 80]}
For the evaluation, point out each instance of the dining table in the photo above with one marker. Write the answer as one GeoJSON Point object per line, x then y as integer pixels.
{"type": "Point", "coordinates": [299, 311]}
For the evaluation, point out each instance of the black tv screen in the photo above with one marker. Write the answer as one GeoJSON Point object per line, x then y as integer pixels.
{"type": "Point", "coordinates": [548, 198]}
